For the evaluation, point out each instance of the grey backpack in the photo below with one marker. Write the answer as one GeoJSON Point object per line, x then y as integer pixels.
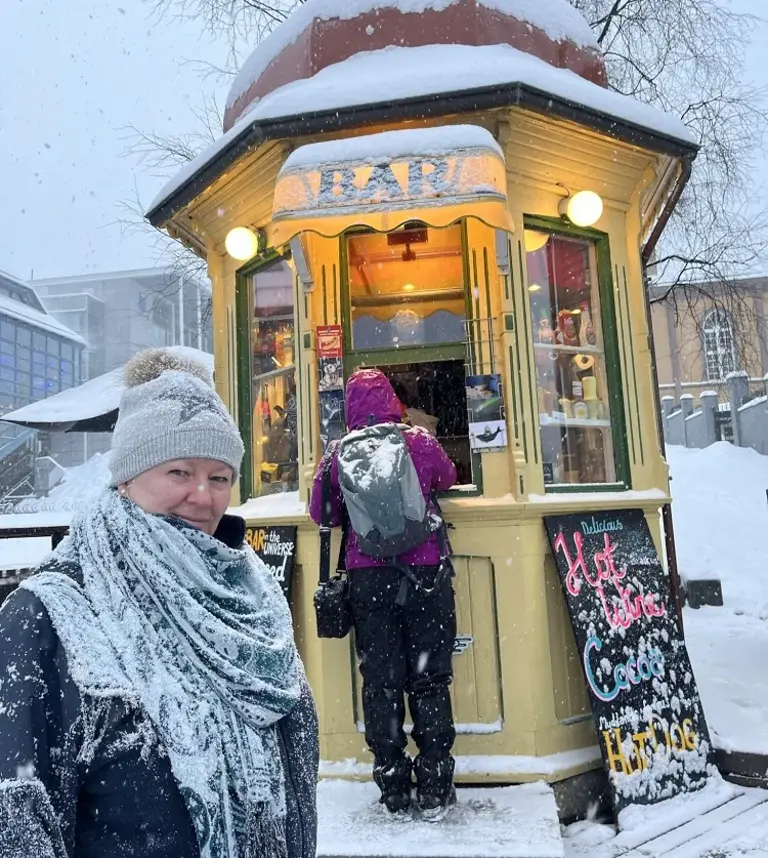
{"type": "Point", "coordinates": [382, 494]}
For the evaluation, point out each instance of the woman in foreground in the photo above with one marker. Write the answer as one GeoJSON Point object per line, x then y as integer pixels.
{"type": "Point", "coordinates": [152, 701]}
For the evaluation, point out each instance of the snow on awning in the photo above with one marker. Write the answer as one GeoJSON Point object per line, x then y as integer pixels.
{"type": "Point", "coordinates": [434, 175]}
{"type": "Point", "coordinates": [90, 407]}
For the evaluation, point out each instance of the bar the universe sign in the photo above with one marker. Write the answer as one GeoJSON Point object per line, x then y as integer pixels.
{"type": "Point", "coordinates": [645, 703]}
{"type": "Point", "coordinates": [276, 546]}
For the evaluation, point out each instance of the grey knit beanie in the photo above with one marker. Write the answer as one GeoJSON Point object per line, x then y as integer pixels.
{"type": "Point", "coordinates": [169, 410]}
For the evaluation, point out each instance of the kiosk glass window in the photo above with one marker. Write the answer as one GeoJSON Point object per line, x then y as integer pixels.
{"type": "Point", "coordinates": [574, 403]}
{"type": "Point", "coordinates": [407, 312]}
{"type": "Point", "coordinates": [273, 378]}
{"type": "Point", "coordinates": [406, 288]}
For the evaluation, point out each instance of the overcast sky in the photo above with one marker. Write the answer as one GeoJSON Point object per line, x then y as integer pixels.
{"type": "Point", "coordinates": [73, 73]}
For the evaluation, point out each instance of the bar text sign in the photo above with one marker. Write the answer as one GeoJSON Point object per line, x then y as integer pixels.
{"type": "Point", "coordinates": [276, 547]}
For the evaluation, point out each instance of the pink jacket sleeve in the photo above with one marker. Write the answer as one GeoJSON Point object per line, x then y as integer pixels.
{"type": "Point", "coordinates": [329, 460]}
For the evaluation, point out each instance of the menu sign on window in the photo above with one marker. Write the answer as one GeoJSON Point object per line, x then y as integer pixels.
{"type": "Point", "coordinates": [645, 703]}
{"type": "Point", "coordinates": [276, 546]}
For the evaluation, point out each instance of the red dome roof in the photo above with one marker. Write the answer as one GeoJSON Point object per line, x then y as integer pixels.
{"type": "Point", "coordinates": [314, 38]}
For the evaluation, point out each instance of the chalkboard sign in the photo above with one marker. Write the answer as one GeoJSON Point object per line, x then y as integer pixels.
{"type": "Point", "coordinates": [645, 702]}
{"type": "Point", "coordinates": [276, 546]}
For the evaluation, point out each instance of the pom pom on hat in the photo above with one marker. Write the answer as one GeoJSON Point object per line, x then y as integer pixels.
{"type": "Point", "coordinates": [152, 363]}
{"type": "Point", "coordinates": [169, 410]}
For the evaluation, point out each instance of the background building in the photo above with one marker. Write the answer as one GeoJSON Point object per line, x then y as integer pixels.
{"type": "Point", "coordinates": [121, 312]}
{"type": "Point", "coordinates": [39, 357]}
{"type": "Point", "coordinates": [118, 314]}
{"type": "Point", "coordinates": [701, 340]}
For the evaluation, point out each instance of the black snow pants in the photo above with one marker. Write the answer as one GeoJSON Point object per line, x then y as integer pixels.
{"type": "Point", "coordinates": [406, 649]}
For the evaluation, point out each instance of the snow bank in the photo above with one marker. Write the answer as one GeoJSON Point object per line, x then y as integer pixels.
{"type": "Point", "coordinates": [557, 18]}
{"type": "Point", "coordinates": [78, 487]}
{"type": "Point", "coordinates": [23, 553]}
{"type": "Point", "coordinates": [721, 515]}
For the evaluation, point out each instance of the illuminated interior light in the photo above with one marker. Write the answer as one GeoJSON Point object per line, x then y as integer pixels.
{"type": "Point", "coordinates": [583, 208]}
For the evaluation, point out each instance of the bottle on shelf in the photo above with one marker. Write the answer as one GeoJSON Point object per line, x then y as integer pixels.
{"type": "Point", "coordinates": [587, 335]}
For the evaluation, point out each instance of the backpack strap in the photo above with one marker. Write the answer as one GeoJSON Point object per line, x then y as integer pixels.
{"type": "Point", "coordinates": [445, 569]}
{"type": "Point", "coordinates": [325, 526]}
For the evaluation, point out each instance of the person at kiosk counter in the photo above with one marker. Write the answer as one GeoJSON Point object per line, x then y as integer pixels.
{"type": "Point", "coordinates": [403, 607]}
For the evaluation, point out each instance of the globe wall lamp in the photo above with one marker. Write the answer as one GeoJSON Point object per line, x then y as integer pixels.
{"type": "Point", "coordinates": [583, 208]}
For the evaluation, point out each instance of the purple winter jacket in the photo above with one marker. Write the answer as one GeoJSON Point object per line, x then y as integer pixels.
{"type": "Point", "coordinates": [370, 393]}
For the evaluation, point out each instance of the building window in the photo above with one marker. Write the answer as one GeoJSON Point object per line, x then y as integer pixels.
{"type": "Point", "coordinates": [571, 330]}
{"type": "Point", "coordinates": [274, 446]}
{"type": "Point", "coordinates": [719, 352]}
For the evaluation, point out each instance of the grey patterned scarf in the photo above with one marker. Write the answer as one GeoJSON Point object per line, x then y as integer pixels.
{"type": "Point", "coordinates": [200, 636]}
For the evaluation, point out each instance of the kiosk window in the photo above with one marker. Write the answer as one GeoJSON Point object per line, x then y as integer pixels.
{"type": "Point", "coordinates": [406, 288]}
{"type": "Point", "coordinates": [273, 379]}
{"type": "Point", "coordinates": [407, 307]}
{"type": "Point", "coordinates": [577, 434]}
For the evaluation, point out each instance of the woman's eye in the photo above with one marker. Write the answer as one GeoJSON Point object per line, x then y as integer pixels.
{"type": "Point", "coordinates": [223, 480]}
{"type": "Point", "coordinates": [177, 472]}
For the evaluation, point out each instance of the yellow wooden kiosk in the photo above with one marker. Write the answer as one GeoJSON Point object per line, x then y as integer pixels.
{"type": "Point", "coordinates": [452, 195]}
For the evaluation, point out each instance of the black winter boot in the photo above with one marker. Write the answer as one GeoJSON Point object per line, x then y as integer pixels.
{"type": "Point", "coordinates": [394, 781]}
{"type": "Point", "coordinates": [435, 793]}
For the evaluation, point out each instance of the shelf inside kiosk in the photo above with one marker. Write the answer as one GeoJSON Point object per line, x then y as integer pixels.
{"type": "Point", "coordinates": [273, 378]}
{"type": "Point", "coordinates": [406, 288]}
{"type": "Point", "coordinates": [572, 372]}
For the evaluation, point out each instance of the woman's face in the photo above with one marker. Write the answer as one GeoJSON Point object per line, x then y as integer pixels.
{"type": "Point", "coordinates": [194, 490]}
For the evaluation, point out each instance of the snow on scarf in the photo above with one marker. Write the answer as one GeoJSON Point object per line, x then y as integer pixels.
{"type": "Point", "coordinates": [201, 637]}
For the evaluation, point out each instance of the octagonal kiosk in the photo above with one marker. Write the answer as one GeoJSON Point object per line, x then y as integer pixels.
{"type": "Point", "coordinates": [400, 190]}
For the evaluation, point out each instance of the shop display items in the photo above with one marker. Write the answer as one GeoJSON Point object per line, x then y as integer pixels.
{"type": "Point", "coordinates": [572, 408]}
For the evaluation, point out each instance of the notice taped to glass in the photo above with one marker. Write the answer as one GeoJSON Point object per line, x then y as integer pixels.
{"type": "Point", "coordinates": [645, 703]}
{"type": "Point", "coordinates": [276, 546]}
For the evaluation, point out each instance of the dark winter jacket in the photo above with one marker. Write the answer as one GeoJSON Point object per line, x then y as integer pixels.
{"type": "Point", "coordinates": [86, 777]}
{"type": "Point", "coordinates": [370, 398]}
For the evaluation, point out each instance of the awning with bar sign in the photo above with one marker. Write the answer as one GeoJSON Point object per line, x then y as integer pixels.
{"type": "Point", "coordinates": [381, 181]}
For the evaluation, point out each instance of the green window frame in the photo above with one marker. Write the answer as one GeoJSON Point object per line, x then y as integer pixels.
{"type": "Point", "coordinates": [244, 367]}
{"type": "Point", "coordinates": [611, 353]}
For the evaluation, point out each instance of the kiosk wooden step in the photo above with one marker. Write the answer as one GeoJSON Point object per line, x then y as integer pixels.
{"type": "Point", "coordinates": [693, 837]}
{"type": "Point", "coordinates": [497, 822]}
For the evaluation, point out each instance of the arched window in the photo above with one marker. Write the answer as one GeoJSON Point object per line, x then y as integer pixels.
{"type": "Point", "coordinates": [719, 353]}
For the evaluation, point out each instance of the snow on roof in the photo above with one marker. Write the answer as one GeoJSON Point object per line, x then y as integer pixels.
{"type": "Point", "coordinates": [36, 318]}
{"type": "Point", "coordinates": [425, 71]}
{"type": "Point", "coordinates": [557, 18]}
{"type": "Point", "coordinates": [91, 399]}
{"type": "Point", "coordinates": [391, 145]}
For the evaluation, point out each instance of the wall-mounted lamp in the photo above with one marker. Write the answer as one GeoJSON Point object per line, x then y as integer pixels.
{"type": "Point", "coordinates": [243, 243]}
{"type": "Point", "coordinates": [582, 209]}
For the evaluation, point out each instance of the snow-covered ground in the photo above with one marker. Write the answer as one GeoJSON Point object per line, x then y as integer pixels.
{"type": "Point", "coordinates": [721, 521]}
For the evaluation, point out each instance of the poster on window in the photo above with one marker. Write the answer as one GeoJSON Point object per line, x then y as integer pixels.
{"type": "Point", "coordinates": [276, 546]}
{"type": "Point", "coordinates": [329, 341]}
{"type": "Point", "coordinates": [485, 404]}
{"type": "Point", "coordinates": [645, 702]}
{"type": "Point", "coordinates": [330, 383]}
